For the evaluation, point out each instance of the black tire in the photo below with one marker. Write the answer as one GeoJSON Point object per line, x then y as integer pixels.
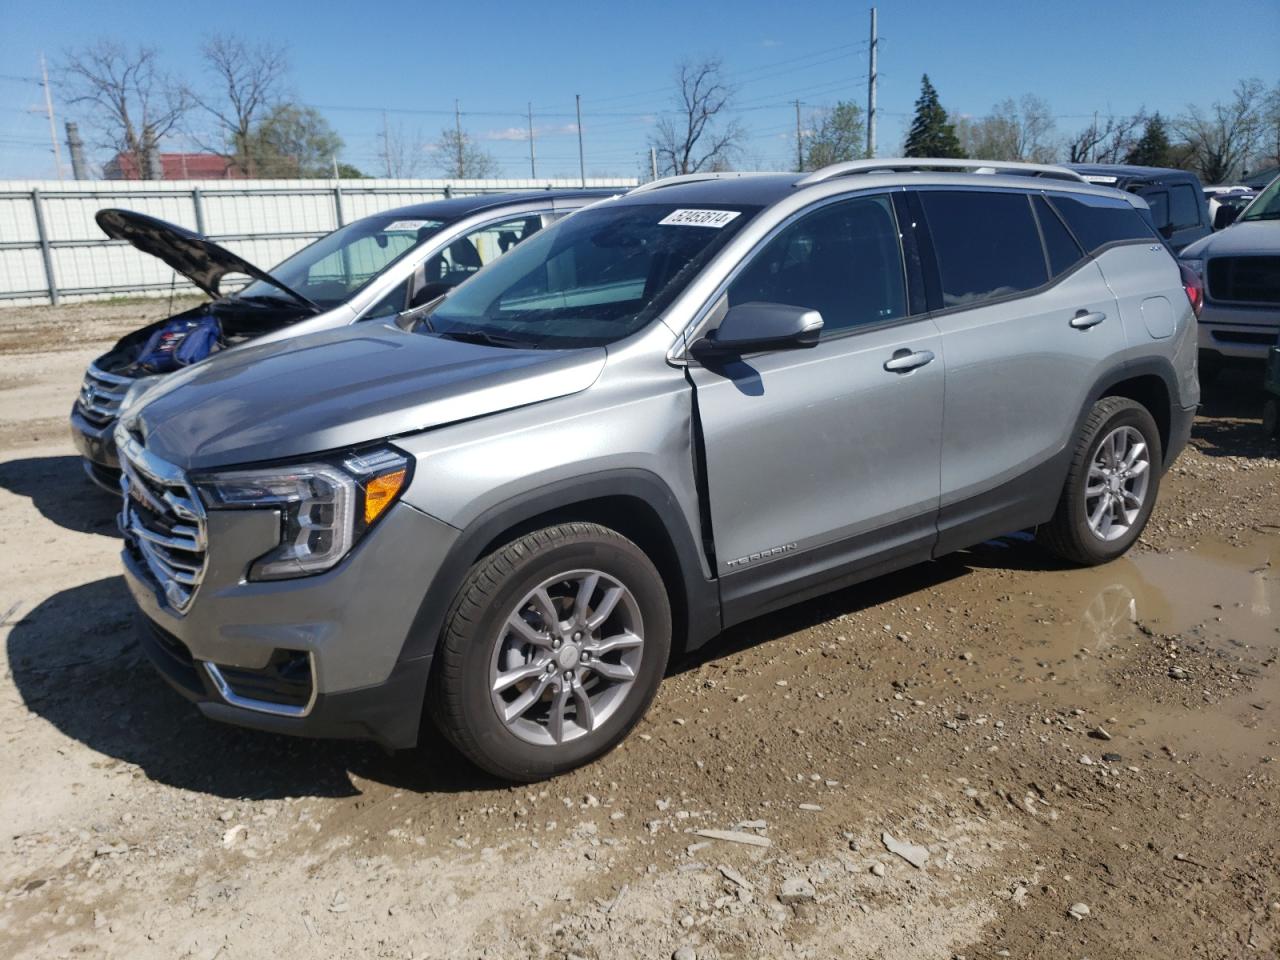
{"type": "Point", "coordinates": [1271, 417]}
{"type": "Point", "coordinates": [1068, 534]}
{"type": "Point", "coordinates": [459, 695]}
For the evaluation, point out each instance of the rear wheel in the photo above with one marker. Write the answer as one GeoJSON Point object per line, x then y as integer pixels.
{"type": "Point", "coordinates": [1111, 485]}
{"type": "Point", "coordinates": [552, 651]}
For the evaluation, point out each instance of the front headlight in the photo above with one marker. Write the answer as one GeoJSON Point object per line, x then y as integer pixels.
{"type": "Point", "coordinates": [324, 507]}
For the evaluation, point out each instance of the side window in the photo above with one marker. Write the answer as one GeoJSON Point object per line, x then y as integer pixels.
{"type": "Point", "coordinates": [1184, 211]}
{"type": "Point", "coordinates": [986, 243]}
{"type": "Point", "coordinates": [1059, 246]}
{"type": "Point", "coordinates": [1097, 221]}
{"type": "Point", "coordinates": [843, 260]}
{"type": "Point", "coordinates": [481, 246]}
{"type": "Point", "coordinates": [1158, 201]}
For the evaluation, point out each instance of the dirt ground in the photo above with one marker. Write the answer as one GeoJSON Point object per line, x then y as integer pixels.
{"type": "Point", "coordinates": [1086, 757]}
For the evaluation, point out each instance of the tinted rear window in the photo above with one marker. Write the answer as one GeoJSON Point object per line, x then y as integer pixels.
{"type": "Point", "coordinates": [986, 243]}
{"type": "Point", "coordinates": [1097, 221]}
{"type": "Point", "coordinates": [1184, 209]}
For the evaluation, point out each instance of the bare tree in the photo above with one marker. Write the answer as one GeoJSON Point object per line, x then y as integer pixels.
{"type": "Point", "coordinates": [126, 99]}
{"type": "Point", "coordinates": [698, 137]}
{"type": "Point", "coordinates": [1107, 139]}
{"type": "Point", "coordinates": [248, 81]}
{"type": "Point", "coordinates": [1013, 130]}
{"type": "Point", "coordinates": [400, 154]}
{"type": "Point", "coordinates": [1221, 141]}
{"type": "Point", "coordinates": [1269, 146]}
{"type": "Point", "coordinates": [457, 156]}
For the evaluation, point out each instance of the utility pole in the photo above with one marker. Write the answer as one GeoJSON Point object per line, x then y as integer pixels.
{"type": "Point", "coordinates": [75, 147]}
{"type": "Point", "coordinates": [653, 162]}
{"type": "Point", "coordinates": [457, 124]}
{"type": "Point", "coordinates": [533, 162]}
{"type": "Point", "coordinates": [582, 163]}
{"type": "Point", "coordinates": [386, 143]}
{"type": "Point", "coordinates": [871, 88]}
{"type": "Point", "coordinates": [799, 141]}
{"type": "Point", "coordinates": [48, 109]}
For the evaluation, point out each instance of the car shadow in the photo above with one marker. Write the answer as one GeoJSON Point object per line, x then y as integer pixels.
{"type": "Point", "coordinates": [58, 488]}
{"type": "Point", "coordinates": [76, 663]}
{"type": "Point", "coordinates": [1230, 420]}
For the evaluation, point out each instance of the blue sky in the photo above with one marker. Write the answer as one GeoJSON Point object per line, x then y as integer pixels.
{"type": "Point", "coordinates": [413, 59]}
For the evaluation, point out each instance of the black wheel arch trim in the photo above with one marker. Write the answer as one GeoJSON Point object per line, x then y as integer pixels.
{"type": "Point", "coordinates": [701, 595]}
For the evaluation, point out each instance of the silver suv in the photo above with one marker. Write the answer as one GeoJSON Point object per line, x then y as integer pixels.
{"type": "Point", "coordinates": [669, 413]}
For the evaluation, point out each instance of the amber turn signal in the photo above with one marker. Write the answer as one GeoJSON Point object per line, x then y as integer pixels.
{"type": "Point", "coordinates": [380, 492]}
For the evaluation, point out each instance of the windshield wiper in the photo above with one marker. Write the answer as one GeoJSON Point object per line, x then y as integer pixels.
{"type": "Point", "coordinates": [480, 336]}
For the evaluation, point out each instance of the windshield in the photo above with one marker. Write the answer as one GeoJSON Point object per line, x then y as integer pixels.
{"type": "Point", "coordinates": [1267, 204]}
{"type": "Point", "coordinates": [338, 265]}
{"type": "Point", "coordinates": [594, 278]}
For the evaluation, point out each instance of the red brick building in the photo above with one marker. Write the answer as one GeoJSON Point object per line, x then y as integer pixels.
{"type": "Point", "coordinates": [175, 166]}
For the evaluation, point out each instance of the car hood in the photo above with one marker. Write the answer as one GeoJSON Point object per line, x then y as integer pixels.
{"type": "Point", "coordinates": [1242, 238]}
{"type": "Point", "coordinates": [341, 388]}
{"type": "Point", "coordinates": [201, 261]}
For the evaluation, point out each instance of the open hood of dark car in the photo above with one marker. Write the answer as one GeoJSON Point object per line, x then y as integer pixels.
{"type": "Point", "coordinates": [201, 261]}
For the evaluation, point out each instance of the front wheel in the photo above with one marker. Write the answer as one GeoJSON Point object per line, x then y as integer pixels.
{"type": "Point", "coordinates": [1111, 485]}
{"type": "Point", "coordinates": [552, 651]}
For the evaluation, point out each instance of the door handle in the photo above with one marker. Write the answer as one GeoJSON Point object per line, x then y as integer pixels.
{"type": "Point", "coordinates": [905, 360]}
{"type": "Point", "coordinates": [1083, 319]}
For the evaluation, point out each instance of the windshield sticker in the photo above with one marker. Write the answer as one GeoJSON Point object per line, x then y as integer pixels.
{"type": "Point", "coordinates": [699, 218]}
{"type": "Point", "coordinates": [405, 225]}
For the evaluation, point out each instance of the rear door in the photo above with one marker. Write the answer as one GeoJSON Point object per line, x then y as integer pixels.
{"type": "Point", "coordinates": [821, 463]}
{"type": "Point", "coordinates": [1028, 324]}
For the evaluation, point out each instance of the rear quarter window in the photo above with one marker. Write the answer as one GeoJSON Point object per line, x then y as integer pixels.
{"type": "Point", "coordinates": [1098, 221]}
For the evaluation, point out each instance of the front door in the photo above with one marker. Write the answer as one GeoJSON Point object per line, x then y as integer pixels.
{"type": "Point", "coordinates": [821, 462]}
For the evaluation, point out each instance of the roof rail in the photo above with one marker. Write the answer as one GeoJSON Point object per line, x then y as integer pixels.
{"type": "Point", "coordinates": [692, 178]}
{"type": "Point", "coordinates": [897, 165]}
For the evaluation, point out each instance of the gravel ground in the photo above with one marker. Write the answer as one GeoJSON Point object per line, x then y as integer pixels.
{"type": "Point", "coordinates": [989, 755]}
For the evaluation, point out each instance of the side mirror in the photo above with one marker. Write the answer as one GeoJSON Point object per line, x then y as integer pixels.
{"type": "Point", "coordinates": [1225, 216]}
{"type": "Point", "coordinates": [409, 319]}
{"type": "Point", "coordinates": [750, 327]}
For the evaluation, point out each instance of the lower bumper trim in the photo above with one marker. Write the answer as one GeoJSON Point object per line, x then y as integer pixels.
{"type": "Point", "coordinates": [388, 713]}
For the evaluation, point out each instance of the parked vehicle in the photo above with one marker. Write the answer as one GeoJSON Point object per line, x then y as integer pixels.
{"type": "Point", "coordinates": [1234, 199]}
{"type": "Point", "coordinates": [1179, 210]}
{"type": "Point", "coordinates": [1271, 385]}
{"type": "Point", "coordinates": [370, 269]}
{"type": "Point", "coordinates": [1241, 270]}
{"type": "Point", "coordinates": [672, 412]}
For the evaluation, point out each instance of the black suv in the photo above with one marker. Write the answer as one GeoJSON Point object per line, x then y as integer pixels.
{"type": "Point", "coordinates": [1178, 207]}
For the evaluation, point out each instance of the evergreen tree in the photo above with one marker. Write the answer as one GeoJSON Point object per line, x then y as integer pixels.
{"type": "Point", "coordinates": [932, 134]}
{"type": "Point", "coordinates": [1152, 148]}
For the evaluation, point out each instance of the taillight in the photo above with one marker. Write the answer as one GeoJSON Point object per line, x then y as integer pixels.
{"type": "Point", "coordinates": [1194, 286]}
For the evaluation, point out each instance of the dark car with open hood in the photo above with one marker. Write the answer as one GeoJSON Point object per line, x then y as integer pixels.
{"type": "Point", "coordinates": [372, 268]}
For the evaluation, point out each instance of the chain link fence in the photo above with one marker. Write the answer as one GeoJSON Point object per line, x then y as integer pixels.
{"type": "Point", "coordinates": [52, 251]}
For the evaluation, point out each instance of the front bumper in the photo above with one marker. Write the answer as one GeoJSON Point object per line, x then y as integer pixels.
{"type": "Point", "coordinates": [1245, 333]}
{"type": "Point", "coordinates": [351, 623]}
{"type": "Point", "coordinates": [97, 446]}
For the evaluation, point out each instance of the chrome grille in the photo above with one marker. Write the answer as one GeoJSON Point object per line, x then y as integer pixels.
{"type": "Point", "coordinates": [162, 519]}
{"type": "Point", "coordinates": [101, 395]}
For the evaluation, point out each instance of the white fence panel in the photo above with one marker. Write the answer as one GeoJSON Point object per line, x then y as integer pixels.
{"type": "Point", "coordinates": [51, 249]}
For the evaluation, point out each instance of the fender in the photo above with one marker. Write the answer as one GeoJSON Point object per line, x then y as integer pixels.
{"type": "Point", "coordinates": [702, 599]}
